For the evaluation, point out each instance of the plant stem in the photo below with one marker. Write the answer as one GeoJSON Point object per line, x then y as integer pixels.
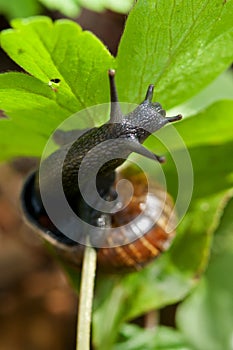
{"type": "Point", "coordinates": [86, 299]}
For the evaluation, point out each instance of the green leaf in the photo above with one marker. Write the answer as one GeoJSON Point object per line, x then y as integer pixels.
{"type": "Point", "coordinates": [25, 134]}
{"type": "Point", "coordinates": [212, 126]}
{"type": "Point", "coordinates": [208, 137]}
{"type": "Point", "coordinates": [61, 50]}
{"type": "Point", "coordinates": [191, 248]}
{"type": "Point", "coordinates": [19, 8]}
{"type": "Point", "coordinates": [210, 164]}
{"type": "Point", "coordinates": [223, 238]}
{"type": "Point", "coordinates": [220, 89]}
{"type": "Point", "coordinates": [11, 137]}
{"type": "Point", "coordinates": [161, 338]}
{"type": "Point", "coordinates": [206, 317]}
{"type": "Point", "coordinates": [180, 46]}
{"type": "Point", "coordinates": [48, 50]}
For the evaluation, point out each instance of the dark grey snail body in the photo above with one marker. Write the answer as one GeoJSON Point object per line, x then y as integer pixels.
{"type": "Point", "coordinates": [130, 131]}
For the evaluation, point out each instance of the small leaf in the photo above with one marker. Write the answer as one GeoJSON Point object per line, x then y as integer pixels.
{"type": "Point", "coordinates": [178, 46]}
{"type": "Point", "coordinates": [206, 317]}
{"type": "Point", "coordinates": [61, 50]}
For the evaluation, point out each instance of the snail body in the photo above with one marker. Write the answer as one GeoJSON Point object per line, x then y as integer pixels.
{"type": "Point", "coordinates": [118, 252]}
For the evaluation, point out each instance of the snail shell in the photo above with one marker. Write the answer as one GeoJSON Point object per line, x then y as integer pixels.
{"type": "Point", "coordinates": [123, 257]}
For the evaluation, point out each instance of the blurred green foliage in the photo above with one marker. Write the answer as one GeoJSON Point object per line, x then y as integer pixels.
{"type": "Point", "coordinates": [71, 8]}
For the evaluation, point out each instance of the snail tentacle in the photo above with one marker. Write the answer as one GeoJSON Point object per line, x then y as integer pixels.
{"type": "Point", "coordinates": [149, 93]}
{"type": "Point", "coordinates": [136, 147]}
{"type": "Point", "coordinates": [115, 113]}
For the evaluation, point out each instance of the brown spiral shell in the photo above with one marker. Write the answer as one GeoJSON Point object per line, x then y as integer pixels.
{"type": "Point", "coordinates": [124, 257]}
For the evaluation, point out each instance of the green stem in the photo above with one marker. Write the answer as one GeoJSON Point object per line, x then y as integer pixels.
{"type": "Point", "coordinates": [86, 299]}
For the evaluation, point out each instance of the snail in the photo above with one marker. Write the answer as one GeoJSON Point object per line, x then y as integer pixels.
{"type": "Point", "coordinates": [125, 246]}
